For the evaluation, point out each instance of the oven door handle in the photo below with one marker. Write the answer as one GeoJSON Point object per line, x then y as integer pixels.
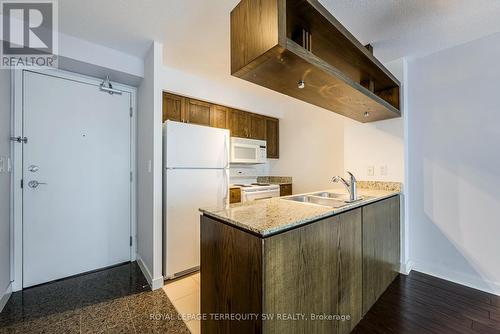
{"type": "Point", "coordinates": [255, 195]}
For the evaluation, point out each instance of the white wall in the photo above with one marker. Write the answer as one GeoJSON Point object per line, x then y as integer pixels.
{"type": "Point", "coordinates": [84, 57]}
{"type": "Point", "coordinates": [88, 58]}
{"type": "Point", "coordinates": [454, 164]}
{"type": "Point", "coordinates": [378, 144]}
{"type": "Point", "coordinates": [149, 170]}
{"type": "Point", "coordinates": [311, 138]}
{"type": "Point", "coordinates": [99, 55]}
{"type": "Point", "coordinates": [5, 190]}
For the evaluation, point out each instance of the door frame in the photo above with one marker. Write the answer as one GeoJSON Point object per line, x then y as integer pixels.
{"type": "Point", "coordinates": [17, 87]}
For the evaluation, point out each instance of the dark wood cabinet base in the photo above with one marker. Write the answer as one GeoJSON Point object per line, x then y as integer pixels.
{"type": "Point", "coordinates": [231, 278]}
{"type": "Point", "coordinates": [311, 279]}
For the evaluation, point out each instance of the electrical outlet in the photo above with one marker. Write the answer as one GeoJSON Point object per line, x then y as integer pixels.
{"type": "Point", "coordinates": [370, 171]}
{"type": "Point", "coordinates": [383, 170]}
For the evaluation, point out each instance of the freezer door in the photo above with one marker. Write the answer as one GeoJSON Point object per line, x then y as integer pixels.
{"type": "Point", "coordinates": [186, 192]}
{"type": "Point", "coordinates": [195, 146]}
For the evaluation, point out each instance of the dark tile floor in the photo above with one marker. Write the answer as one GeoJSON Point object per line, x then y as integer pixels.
{"type": "Point", "coordinates": [114, 300]}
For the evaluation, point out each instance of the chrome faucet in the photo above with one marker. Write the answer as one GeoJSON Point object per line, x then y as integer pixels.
{"type": "Point", "coordinates": [350, 186]}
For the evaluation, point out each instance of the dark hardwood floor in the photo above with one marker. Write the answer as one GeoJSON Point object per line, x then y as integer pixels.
{"type": "Point", "coordinates": [422, 304]}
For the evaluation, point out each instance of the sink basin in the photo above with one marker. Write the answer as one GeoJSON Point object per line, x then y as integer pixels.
{"type": "Point", "coordinates": [342, 197]}
{"type": "Point", "coordinates": [331, 202]}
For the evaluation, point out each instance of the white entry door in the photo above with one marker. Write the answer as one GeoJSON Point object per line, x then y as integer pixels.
{"type": "Point", "coordinates": [76, 173]}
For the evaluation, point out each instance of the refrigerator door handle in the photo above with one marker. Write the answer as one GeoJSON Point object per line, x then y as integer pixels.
{"type": "Point", "coordinates": [226, 187]}
{"type": "Point", "coordinates": [226, 151]}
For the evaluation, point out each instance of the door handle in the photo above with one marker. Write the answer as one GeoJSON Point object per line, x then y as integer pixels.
{"type": "Point", "coordinates": [34, 184]}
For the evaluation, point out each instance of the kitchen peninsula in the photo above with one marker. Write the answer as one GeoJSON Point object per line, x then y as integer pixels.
{"type": "Point", "coordinates": [301, 266]}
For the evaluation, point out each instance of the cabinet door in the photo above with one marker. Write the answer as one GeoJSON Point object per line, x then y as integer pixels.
{"type": "Point", "coordinates": [381, 248]}
{"type": "Point", "coordinates": [238, 123]}
{"type": "Point", "coordinates": [316, 269]}
{"type": "Point", "coordinates": [257, 127]}
{"type": "Point", "coordinates": [286, 190]}
{"type": "Point", "coordinates": [273, 138]}
{"type": "Point", "coordinates": [234, 195]}
{"type": "Point", "coordinates": [219, 117]}
{"type": "Point", "coordinates": [173, 107]}
{"type": "Point", "coordinates": [198, 112]}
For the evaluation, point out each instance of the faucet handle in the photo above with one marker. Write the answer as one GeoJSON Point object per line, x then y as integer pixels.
{"type": "Point", "coordinates": [353, 179]}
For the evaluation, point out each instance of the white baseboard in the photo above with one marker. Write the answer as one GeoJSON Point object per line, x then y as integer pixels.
{"type": "Point", "coordinates": [448, 274]}
{"type": "Point", "coordinates": [155, 283]}
{"type": "Point", "coordinates": [405, 268]}
{"type": "Point", "coordinates": [5, 297]}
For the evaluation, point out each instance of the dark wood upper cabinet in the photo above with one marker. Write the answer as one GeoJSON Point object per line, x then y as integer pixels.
{"type": "Point", "coordinates": [197, 112]}
{"type": "Point", "coordinates": [173, 107]}
{"type": "Point", "coordinates": [272, 137]}
{"type": "Point", "coordinates": [299, 40]}
{"type": "Point", "coordinates": [239, 123]}
{"type": "Point", "coordinates": [219, 117]}
{"type": "Point", "coordinates": [257, 127]}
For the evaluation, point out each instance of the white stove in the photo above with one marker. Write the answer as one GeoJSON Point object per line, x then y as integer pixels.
{"type": "Point", "coordinates": [258, 191]}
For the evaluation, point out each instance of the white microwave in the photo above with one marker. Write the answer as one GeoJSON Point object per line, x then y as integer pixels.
{"type": "Point", "coordinates": [248, 151]}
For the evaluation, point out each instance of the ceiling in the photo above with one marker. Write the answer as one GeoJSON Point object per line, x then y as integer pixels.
{"type": "Point", "coordinates": [197, 31]}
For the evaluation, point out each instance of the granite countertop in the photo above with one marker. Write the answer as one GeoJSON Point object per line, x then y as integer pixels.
{"type": "Point", "coordinates": [271, 216]}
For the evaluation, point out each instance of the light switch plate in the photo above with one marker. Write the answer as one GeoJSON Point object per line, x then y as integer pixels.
{"type": "Point", "coordinates": [370, 171]}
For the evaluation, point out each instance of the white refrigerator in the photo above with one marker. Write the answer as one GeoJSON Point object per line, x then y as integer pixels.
{"type": "Point", "coordinates": [196, 163]}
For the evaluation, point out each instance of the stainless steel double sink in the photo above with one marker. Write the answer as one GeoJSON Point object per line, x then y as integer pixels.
{"type": "Point", "coordinates": [329, 199]}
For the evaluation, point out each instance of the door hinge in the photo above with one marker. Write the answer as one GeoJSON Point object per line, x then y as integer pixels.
{"type": "Point", "coordinates": [19, 139]}
{"type": "Point", "coordinates": [131, 111]}
{"type": "Point", "coordinates": [131, 241]}
{"type": "Point", "coordinates": [22, 183]}
{"type": "Point", "coordinates": [131, 176]}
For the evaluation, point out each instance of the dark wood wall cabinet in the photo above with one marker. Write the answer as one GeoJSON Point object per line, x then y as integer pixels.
{"type": "Point", "coordinates": [241, 123]}
{"type": "Point", "coordinates": [335, 266]}
{"type": "Point", "coordinates": [296, 47]}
